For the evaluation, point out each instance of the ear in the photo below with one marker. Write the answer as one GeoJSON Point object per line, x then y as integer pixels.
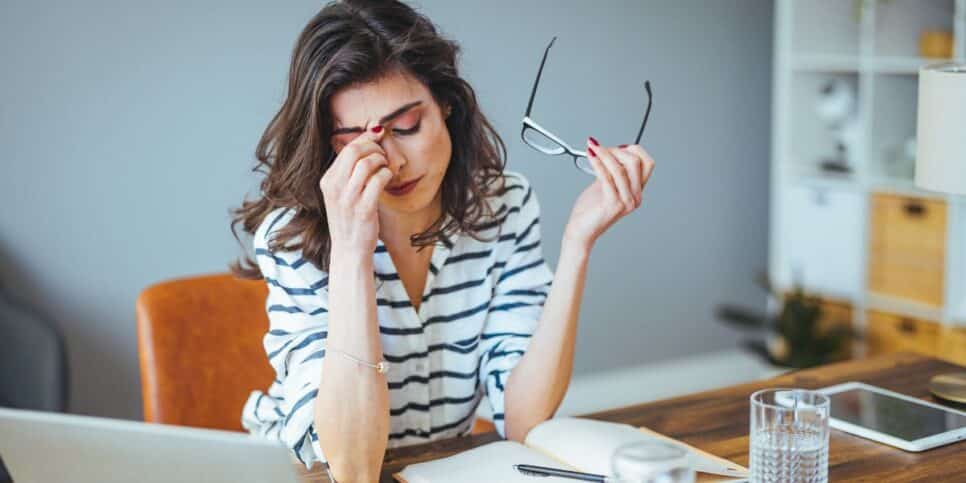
{"type": "Point", "coordinates": [447, 110]}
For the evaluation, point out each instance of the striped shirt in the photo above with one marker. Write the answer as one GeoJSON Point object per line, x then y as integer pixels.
{"type": "Point", "coordinates": [480, 306]}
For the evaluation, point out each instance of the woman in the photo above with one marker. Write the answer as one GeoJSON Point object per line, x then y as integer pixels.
{"type": "Point", "coordinates": [405, 272]}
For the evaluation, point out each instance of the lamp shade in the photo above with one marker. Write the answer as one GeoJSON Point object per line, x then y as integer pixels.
{"type": "Point", "coordinates": [941, 129]}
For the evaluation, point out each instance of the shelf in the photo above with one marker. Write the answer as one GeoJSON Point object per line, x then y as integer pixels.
{"type": "Point", "coordinates": [900, 65]}
{"type": "Point", "coordinates": [905, 187]}
{"type": "Point", "coordinates": [900, 306]}
{"type": "Point", "coordinates": [821, 222]}
{"type": "Point", "coordinates": [885, 303]}
{"type": "Point", "coordinates": [826, 63]}
{"type": "Point", "coordinates": [851, 64]}
{"type": "Point", "coordinates": [902, 187]}
{"type": "Point", "coordinates": [817, 180]}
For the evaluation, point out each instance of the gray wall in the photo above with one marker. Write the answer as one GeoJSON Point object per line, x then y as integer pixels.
{"type": "Point", "coordinates": [127, 131]}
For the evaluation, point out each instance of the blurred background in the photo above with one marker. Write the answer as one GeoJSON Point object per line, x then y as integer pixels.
{"type": "Point", "coordinates": [781, 131]}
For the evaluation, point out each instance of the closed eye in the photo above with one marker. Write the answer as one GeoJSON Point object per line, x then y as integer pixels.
{"type": "Point", "coordinates": [412, 130]}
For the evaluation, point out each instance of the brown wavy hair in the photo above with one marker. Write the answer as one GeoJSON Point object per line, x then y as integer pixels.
{"type": "Point", "coordinates": [349, 43]}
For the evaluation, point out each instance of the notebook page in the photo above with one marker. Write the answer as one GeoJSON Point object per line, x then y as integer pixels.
{"type": "Point", "coordinates": [588, 445]}
{"type": "Point", "coordinates": [584, 443]}
{"type": "Point", "coordinates": [705, 462]}
{"type": "Point", "coordinates": [489, 463]}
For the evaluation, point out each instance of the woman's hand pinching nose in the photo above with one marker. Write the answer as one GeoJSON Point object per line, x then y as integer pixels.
{"type": "Point", "coordinates": [350, 190]}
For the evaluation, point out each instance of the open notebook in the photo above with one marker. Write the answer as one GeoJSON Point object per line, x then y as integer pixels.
{"type": "Point", "coordinates": [571, 443]}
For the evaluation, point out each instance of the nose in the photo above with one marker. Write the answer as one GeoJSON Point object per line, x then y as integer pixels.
{"type": "Point", "coordinates": [395, 156]}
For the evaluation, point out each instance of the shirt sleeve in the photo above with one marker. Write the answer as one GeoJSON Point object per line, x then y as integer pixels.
{"type": "Point", "coordinates": [516, 305]}
{"type": "Point", "coordinates": [297, 307]}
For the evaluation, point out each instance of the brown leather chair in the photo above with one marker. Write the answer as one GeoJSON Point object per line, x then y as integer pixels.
{"type": "Point", "coordinates": [200, 344]}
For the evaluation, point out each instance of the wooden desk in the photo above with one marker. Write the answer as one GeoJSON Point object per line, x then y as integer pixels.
{"type": "Point", "coordinates": [717, 421]}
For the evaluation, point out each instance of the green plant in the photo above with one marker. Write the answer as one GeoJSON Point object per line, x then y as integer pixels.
{"type": "Point", "coordinates": [794, 335]}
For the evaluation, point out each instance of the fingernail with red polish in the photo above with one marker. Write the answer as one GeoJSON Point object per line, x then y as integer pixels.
{"type": "Point", "coordinates": [377, 129]}
{"type": "Point", "coordinates": [623, 146]}
{"type": "Point", "coordinates": [593, 141]}
{"type": "Point", "coordinates": [592, 153]}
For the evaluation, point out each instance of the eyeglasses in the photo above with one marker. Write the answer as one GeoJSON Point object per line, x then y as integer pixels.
{"type": "Point", "coordinates": [541, 139]}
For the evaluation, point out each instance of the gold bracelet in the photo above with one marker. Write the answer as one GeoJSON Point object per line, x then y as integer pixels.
{"type": "Point", "coordinates": [381, 367]}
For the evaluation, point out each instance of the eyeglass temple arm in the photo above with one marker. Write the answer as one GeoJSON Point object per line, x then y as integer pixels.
{"type": "Point", "coordinates": [647, 113]}
{"type": "Point", "coordinates": [533, 93]}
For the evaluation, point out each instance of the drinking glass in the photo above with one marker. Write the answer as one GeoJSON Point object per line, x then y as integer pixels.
{"type": "Point", "coordinates": [789, 436]}
{"type": "Point", "coordinates": [651, 462]}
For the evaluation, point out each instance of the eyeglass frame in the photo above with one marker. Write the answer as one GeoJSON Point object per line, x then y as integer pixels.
{"type": "Point", "coordinates": [529, 123]}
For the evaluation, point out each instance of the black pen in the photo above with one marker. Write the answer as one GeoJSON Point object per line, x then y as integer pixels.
{"type": "Point", "coordinates": [533, 470]}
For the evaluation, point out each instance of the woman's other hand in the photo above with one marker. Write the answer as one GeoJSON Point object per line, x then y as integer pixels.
{"type": "Point", "coordinates": [622, 173]}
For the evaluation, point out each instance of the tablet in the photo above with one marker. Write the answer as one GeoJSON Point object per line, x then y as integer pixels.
{"type": "Point", "coordinates": [892, 418]}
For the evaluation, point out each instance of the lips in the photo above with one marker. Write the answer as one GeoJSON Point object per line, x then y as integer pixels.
{"type": "Point", "coordinates": [403, 188]}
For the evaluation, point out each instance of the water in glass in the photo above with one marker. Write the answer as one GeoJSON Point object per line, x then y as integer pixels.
{"type": "Point", "coordinates": [789, 436]}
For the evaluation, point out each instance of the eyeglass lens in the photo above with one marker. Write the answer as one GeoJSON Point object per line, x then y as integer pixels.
{"type": "Point", "coordinates": [537, 140]}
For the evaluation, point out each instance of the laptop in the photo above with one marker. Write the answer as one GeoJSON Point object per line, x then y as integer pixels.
{"type": "Point", "coordinates": [40, 447]}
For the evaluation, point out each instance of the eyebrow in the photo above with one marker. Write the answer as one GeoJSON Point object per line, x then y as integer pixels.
{"type": "Point", "coordinates": [382, 120]}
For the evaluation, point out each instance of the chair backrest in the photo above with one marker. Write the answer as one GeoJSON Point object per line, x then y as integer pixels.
{"type": "Point", "coordinates": [33, 362]}
{"type": "Point", "coordinates": [201, 353]}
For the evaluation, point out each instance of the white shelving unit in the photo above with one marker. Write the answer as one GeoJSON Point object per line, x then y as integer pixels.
{"type": "Point", "coordinates": [820, 222]}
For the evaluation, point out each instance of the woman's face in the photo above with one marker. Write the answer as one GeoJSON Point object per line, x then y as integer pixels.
{"type": "Point", "coordinates": [416, 141]}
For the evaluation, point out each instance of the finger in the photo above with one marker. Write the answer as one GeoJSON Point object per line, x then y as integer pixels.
{"type": "Point", "coordinates": [618, 175]}
{"type": "Point", "coordinates": [364, 169]}
{"type": "Point", "coordinates": [643, 154]}
{"type": "Point", "coordinates": [649, 163]}
{"type": "Point", "coordinates": [340, 171]}
{"type": "Point", "coordinates": [603, 178]}
{"type": "Point", "coordinates": [374, 187]}
{"type": "Point", "coordinates": [363, 145]}
{"type": "Point", "coordinates": [638, 150]}
{"type": "Point", "coordinates": [634, 167]}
